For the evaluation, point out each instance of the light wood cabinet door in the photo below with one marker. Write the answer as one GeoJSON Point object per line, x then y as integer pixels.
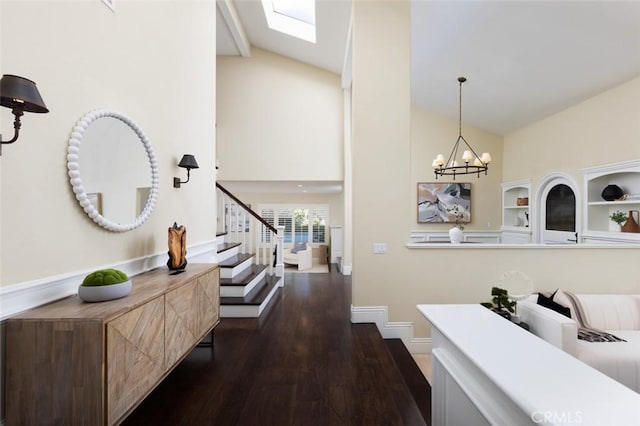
{"type": "Point", "coordinates": [135, 356]}
{"type": "Point", "coordinates": [208, 300]}
{"type": "Point", "coordinates": [181, 327]}
{"type": "Point", "coordinates": [54, 372]}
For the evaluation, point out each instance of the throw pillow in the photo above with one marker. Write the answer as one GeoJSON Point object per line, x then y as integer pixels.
{"type": "Point", "coordinates": [562, 299]}
{"type": "Point", "coordinates": [548, 303]}
{"type": "Point", "coordinates": [298, 247]}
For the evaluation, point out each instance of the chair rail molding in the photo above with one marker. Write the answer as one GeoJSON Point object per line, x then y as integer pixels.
{"type": "Point", "coordinates": [19, 297]}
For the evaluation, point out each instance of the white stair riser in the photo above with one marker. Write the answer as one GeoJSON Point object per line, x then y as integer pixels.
{"type": "Point", "coordinates": [241, 291]}
{"type": "Point", "coordinates": [227, 254]}
{"type": "Point", "coordinates": [232, 272]}
{"type": "Point", "coordinates": [247, 311]}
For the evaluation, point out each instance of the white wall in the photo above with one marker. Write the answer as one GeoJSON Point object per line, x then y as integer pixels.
{"type": "Point", "coordinates": [278, 119]}
{"type": "Point", "coordinates": [153, 61]}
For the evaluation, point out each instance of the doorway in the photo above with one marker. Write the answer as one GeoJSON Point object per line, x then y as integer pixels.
{"type": "Point", "coordinates": [559, 216]}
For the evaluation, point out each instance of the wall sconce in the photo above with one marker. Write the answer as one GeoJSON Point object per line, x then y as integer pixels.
{"type": "Point", "coordinates": [188, 162]}
{"type": "Point", "coordinates": [19, 94]}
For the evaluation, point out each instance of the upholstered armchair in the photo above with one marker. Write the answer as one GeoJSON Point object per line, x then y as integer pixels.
{"type": "Point", "coordinates": [300, 254]}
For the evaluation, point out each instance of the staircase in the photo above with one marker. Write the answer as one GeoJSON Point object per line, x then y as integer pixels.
{"type": "Point", "coordinates": [250, 274]}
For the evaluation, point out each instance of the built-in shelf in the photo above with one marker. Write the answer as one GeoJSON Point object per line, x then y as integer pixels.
{"type": "Point", "coordinates": [598, 227]}
{"type": "Point", "coordinates": [516, 218]}
{"type": "Point", "coordinates": [614, 203]}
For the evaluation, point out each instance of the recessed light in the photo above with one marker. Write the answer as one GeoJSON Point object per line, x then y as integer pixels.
{"type": "Point", "coordinates": [299, 186]}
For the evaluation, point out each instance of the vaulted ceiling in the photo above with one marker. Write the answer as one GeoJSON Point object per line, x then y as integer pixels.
{"type": "Point", "coordinates": [524, 60]}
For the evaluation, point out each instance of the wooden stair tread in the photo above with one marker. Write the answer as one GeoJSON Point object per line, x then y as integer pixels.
{"type": "Point", "coordinates": [245, 277]}
{"type": "Point", "coordinates": [256, 296]}
{"type": "Point", "coordinates": [236, 260]}
{"type": "Point", "coordinates": [227, 246]}
{"type": "Point", "coordinates": [220, 234]}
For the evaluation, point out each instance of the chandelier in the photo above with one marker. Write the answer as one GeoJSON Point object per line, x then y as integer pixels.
{"type": "Point", "coordinates": [451, 167]}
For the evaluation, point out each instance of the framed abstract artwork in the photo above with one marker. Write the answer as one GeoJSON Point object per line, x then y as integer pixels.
{"type": "Point", "coordinates": [442, 202]}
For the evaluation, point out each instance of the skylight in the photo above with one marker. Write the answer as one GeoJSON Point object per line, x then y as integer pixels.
{"type": "Point", "coordinates": [296, 18]}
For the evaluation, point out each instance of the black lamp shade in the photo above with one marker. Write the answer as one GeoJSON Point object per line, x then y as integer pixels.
{"type": "Point", "coordinates": [21, 93]}
{"type": "Point", "coordinates": [188, 162]}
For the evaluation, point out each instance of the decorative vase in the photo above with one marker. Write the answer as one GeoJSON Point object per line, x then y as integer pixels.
{"type": "Point", "coordinates": [177, 247]}
{"type": "Point", "coordinates": [455, 235]}
{"type": "Point", "coordinates": [612, 192]}
{"type": "Point", "coordinates": [631, 225]}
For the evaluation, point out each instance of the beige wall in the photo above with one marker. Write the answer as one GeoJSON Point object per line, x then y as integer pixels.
{"type": "Point", "coordinates": [278, 119]}
{"type": "Point", "coordinates": [604, 129]}
{"type": "Point", "coordinates": [382, 189]}
{"type": "Point", "coordinates": [466, 275]}
{"type": "Point", "coordinates": [433, 134]}
{"type": "Point", "coordinates": [153, 61]}
{"type": "Point", "coordinates": [383, 156]}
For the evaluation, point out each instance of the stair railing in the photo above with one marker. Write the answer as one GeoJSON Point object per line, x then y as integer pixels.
{"type": "Point", "coordinates": [255, 234]}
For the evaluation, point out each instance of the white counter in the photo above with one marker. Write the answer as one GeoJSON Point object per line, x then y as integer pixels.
{"type": "Point", "coordinates": [487, 370]}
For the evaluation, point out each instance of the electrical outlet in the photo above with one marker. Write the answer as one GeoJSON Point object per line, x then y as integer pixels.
{"type": "Point", "coordinates": [379, 248]}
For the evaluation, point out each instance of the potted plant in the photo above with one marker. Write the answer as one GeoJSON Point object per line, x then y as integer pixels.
{"type": "Point", "coordinates": [500, 303]}
{"type": "Point", "coordinates": [103, 285]}
{"type": "Point", "coordinates": [618, 217]}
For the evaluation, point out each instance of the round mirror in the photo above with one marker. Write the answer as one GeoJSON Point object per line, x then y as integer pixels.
{"type": "Point", "coordinates": [113, 170]}
{"type": "Point", "coordinates": [518, 285]}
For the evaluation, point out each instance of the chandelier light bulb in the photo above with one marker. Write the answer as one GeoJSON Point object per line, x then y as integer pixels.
{"type": "Point", "coordinates": [467, 156]}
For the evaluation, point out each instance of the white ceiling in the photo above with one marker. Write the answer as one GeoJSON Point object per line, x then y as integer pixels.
{"type": "Point", "coordinates": [524, 60]}
{"type": "Point", "coordinates": [332, 27]}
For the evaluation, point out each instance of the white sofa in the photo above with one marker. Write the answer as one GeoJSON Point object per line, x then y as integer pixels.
{"type": "Point", "coordinates": [617, 314]}
{"type": "Point", "coordinates": [303, 257]}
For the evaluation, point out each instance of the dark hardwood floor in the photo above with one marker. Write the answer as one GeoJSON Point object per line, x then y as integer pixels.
{"type": "Point", "coordinates": [302, 363]}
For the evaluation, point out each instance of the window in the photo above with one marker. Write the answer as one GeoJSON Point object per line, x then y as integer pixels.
{"type": "Point", "coordinates": [296, 18]}
{"type": "Point", "coordinates": [285, 219]}
{"type": "Point", "coordinates": [319, 217]}
{"type": "Point", "coordinates": [306, 223]}
{"type": "Point", "coordinates": [269, 216]}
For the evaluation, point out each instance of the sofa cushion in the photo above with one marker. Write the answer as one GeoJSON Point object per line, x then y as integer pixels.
{"type": "Point", "coordinates": [548, 302]}
{"type": "Point", "coordinates": [620, 361]}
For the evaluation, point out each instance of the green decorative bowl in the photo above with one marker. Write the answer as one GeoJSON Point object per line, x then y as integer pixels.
{"type": "Point", "coordinates": [103, 285]}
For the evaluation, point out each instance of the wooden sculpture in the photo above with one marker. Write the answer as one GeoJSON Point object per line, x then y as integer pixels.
{"type": "Point", "coordinates": [177, 247]}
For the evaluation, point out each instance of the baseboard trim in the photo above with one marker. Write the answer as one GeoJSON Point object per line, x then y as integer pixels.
{"type": "Point", "coordinates": [420, 345]}
{"type": "Point", "coordinates": [345, 269]}
{"type": "Point", "coordinates": [391, 330]}
{"type": "Point", "coordinates": [19, 297]}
